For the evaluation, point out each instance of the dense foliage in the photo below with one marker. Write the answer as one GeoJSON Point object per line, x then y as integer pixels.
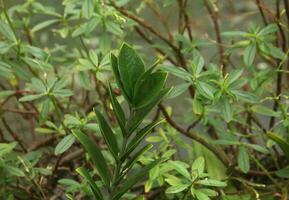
{"type": "Point", "coordinates": [170, 99]}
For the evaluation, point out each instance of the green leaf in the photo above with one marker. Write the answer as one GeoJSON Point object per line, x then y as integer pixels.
{"type": "Point", "coordinates": [177, 71]}
{"type": "Point", "coordinates": [14, 171]}
{"type": "Point", "coordinates": [243, 160]}
{"type": "Point", "coordinates": [211, 182]}
{"type": "Point", "coordinates": [139, 114]}
{"type": "Point", "coordinates": [283, 144]}
{"type": "Point", "coordinates": [181, 168]}
{"type": "Point", "coordinates": [6, 93]}
{"type": "Point", "coordinates": [283, 173]}
{"type": "Point", "coordinates": [178, 90]}
{"type": "Point", "coordinates": [96, 156]}
{"type": "Point", "coordinates": [131, 67]}
{"type": "Point", "coordinates": [177, 188]}
{"type": "Point", "coordinates": [136, 156]}
{"type": "Point", "coordinates": [249, 54]}
{"type": "Point", "coordinates": [64, 144]}
{"type": "Point", "coordinates": [234, 75]}
{"type": "Point", "coordinates": [4, 47]}
{"type": "Point", "coordinates": [199, 165]}
{"type": "Point", "coordinates": [205, 89]}
{"type": "Point", "coordinates": [107, 134]}
{"type": "Point", "coordinates": [198, 64]}
{"type": "Point", "coordinates": [256, 147]}
{"type": "Point", "coordinates": [198, 107]}
{"type": "Point", "coordinates": [269, 29]}
{"type": "Point", "coordinates": [201, 195]}
{"type": "Point", "coordinates": [115, 69]}
{"type": "Point", "coordinates": [31, 97]}
{"type": "Point", "coordinates": [92, 184]}
{"type": "Point", "coordinates": [264, 111]}
{"type": "Point", "coordinates": [93, 57]}
{"type": "Point", "coordinates": [227, 111]}
{"type": "Point", "coordinates": [43, 25]}
{"type": "Point", "coordinates": [275, 52]}
{"type": "Point", "coordinates": [6, 148]}
{"type": "Point", "coordinates": [139, 137]}
{"type": "Point", "coordinates": [118, 111]}
{"type": "Point", "coordinates": [147, 90]}
{"type": "Point", "coordinates": [133, 179]}
{"type": "Point", "coordinates": [7, 31]}
{"type": "Point", "coordinates": [84, 80]}
{"type": "Point", "coordinates": [84, 65]}
{"type": "Point", "coordinates": [87, 8]}
{"type": "Point", "coordinates": [234, 34]}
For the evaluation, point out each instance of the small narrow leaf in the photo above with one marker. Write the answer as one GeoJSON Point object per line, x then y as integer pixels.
{"type": "Point", "coordinates": [118, 111]}
{"type": "Point", "coordinates": [31, 97]}
{"type": "Point", "coordinates": [64, 144]}
{"type": "Point", "coordinates": [177, 188]}
{"type": "Point", "coordinates": [243, 160]}
{"type": "Point", "coordinates": [249, 54]}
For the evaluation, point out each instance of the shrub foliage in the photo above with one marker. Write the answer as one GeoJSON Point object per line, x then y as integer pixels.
{"type": "Point", "coordinates": [173, 99]}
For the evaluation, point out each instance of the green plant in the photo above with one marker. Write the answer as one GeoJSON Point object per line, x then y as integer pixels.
{"type": "Point", "coordinates": [226, 111]}
{"type": "Point", "coordinates": [142, 89]}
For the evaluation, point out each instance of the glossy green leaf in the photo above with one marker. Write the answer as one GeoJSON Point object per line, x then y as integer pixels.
{"type": "Point", "coordinates": [149, 89]}
{"type": "Point", "coordinates": [115, 69]}
{"type": "Point", "coordinates": [131, 67]}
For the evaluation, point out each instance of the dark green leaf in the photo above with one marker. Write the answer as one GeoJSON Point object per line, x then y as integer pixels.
{"type": "Point", "coordinates": [96, 156]}
{"type": "Point", "coordinates": [107, 134]}
{"type": "Point", "coordinates": [131, 67]}
{"type": "Point", "coordinates": [139, 137]}
{"type": "Point", "coordinates": [133, 179]}
{"type": "Point", "coordinates": [93, 186]}
{"type": "Point", "coordinates": [118, 111]}
{"type": "Point", "coordinates": [147, 90]}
